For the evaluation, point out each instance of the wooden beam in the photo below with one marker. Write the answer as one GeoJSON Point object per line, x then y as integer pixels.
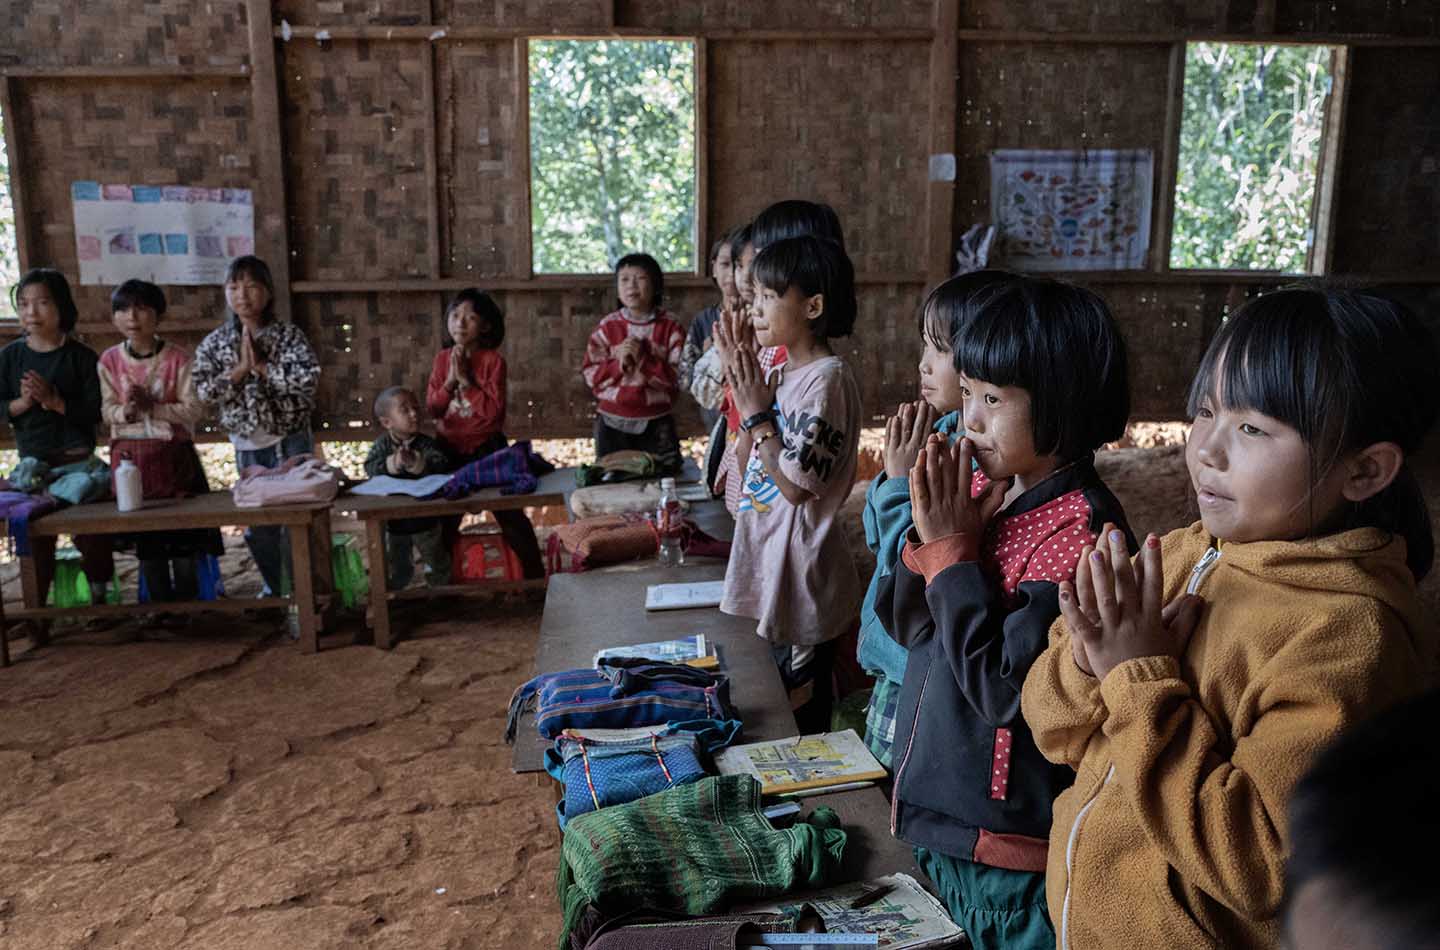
{"type": "Point", "coordinates": [548, 283]}
{"type": "Point", "coordinates": [460, 33]}
{"type": "Point", "coordinates": [1265, 16]}
{"type": "Point", "coordinates": [1162, 228]}
{"type": "Point", "coordinates": [239, 71]}
{"type": "Point", "coordinates": [267, 132]}
{"type": "Point", "coordinates": [1323, 223]}
{"type": "Point", "coordinates": [940, 189]}
{"type": "Point", "coordinates": [1165, 38]}
{"type": "Point", "coordinates": [19, 202]}
{"type": "Point", "coordinates": [702, 157]}
{"type": "Point", "coordinates": [432, 163]}
{"type": "Point", "coordinates": [525, 218]}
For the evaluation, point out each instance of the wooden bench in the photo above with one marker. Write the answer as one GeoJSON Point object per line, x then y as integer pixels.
{"type": "Point", "coordinates": [587, 612]}
{"type": "Point", "coordinates": [312, 584]}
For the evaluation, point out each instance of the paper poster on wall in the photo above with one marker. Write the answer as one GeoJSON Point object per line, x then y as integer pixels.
{"type": "Point", "coordinates": [165, 234]}
{"type": "Point", "coordinates": [1072, 210]}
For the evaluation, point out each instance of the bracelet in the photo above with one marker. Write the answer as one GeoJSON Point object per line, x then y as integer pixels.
{"type": "Point", "coordinates": [764, 437]}
{"type": "Point", "coordinates": [767, 415]}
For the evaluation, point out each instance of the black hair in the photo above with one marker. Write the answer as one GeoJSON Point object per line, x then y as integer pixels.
{"type": "Point", "coordinates": [492, 320]}
{"type": "Point", "coordinates": [1060, 344]}
{"type": "Point", "coordinates": [1363, 818]}
{"type": "Point", "coordinates": [739, 237]}
{"type": "Point", "coordinates": [1345, 369]}
{"type": "Point", "coordinates": [59, 288]}
{"type": "Point", "coordinates": [651, 267]}
{"type": "Point", "coordinates": [795, 217]}
{"type": "Point", "coordinates": [257, 270]}
{"type": "Point", "coordinates": [387, 396]}
{"type": "Point", "coordinates": [946, 307]}
{"type": "Point", "coordinates": [720, 242]}
{"type": "Point", "coordinates": [815, 266]}
{"type": "Point", "coordinates": [138, 293]}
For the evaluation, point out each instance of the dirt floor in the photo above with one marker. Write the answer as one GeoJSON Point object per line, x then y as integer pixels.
{"type": "Point", "coordinates": [210, 787]}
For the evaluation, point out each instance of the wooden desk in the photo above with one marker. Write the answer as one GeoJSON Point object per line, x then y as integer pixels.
{"type": "Point", "coordinates": [212, 510]}
{"type": "Point", "coordinates": [376, 510]}
{"type": "Point", "coordinates": [587, 612]}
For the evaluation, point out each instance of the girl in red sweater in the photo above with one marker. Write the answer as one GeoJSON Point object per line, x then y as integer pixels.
{"type": "Point", "coordinates": [466, 395]}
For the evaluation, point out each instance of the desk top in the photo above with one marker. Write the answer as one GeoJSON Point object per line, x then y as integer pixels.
{"type": "Point", "coordinates": [214, 509]}
{"type": "Point", "coordinates": [587, 612]}
{"type": "Point", "coordinates": [551, 490]}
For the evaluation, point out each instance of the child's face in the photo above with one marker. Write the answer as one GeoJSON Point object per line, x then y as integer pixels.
{"type": "Point", "coordinates": [636, 291]}
{"type": "Point", "coordinates": [1251, 476]}
{"type": "Point", "coordinates": [39, 315]}
{"type": "Point", "coordinates": [402, 416]}
{"type": "Point", "coordinates": [725, 273]}
{"type": "Point", "coordinates": [784, 319]}
{"type": "Point", "coordinates": [997, 421]}
{"type": "Point", "coordinates": [743, 286]}
{"type": "Point", "coordinates": [136, 323]}
{"type": "Point", "coordinates": [465, 325]}
{"type": "Point", "coordinates": [246, 297]}
{"type": "Point", "coordinates": [939, 381]}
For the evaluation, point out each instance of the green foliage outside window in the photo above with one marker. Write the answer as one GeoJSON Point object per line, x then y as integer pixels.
{"type": "Point", "coordinates": [1249, 151]}
{"type": "Point", "coordinates": [612, 153]}
{"type": "Point", "coordinates": [9, 253]}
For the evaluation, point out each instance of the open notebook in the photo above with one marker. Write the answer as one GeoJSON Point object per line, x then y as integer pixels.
{"type": "Point", "coordinates": [681, 596]}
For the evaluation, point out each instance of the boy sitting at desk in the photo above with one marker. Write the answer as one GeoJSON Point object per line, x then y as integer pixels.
{"type": "Point", "coordinates": [406, 452]}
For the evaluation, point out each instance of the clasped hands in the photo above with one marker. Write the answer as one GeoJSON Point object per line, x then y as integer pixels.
{"type": "Point", "coordinates": [36, 390]}
{"type": "Point", "coordinates": [250, 361]}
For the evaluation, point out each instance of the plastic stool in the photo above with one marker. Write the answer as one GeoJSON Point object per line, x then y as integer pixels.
{"type": "Point", "coordinates": [351, 583]}
{"type": "Point", "coordinates": [484, 557]}
{"type": "Point", "coordinates": [70, 588]}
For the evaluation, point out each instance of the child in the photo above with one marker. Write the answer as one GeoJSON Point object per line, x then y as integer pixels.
{"type": "Point", "coordinates": [632, 366]}
{"type": "Point", "coordinates": [789, 566]}
{"type": "Point", "coordinates": [263, 375]}
{"type": "Point", "coordinates": [887, 499]}
{"type": "Point", "coordinates": [466, 395]}
{"type": "Point", "coordinates": [50, 395]}
{"type": "Point", "coordinates": [700, 336]}
{"type": "Point", "coordinates": [1189, 721]}
{"type": "Point", "coordinates": [406, 452]}
{"type": "Point", "coordinates": [1358, 875]}
{"type": "Point", "coordinates": [148, 395]}
{"type": "Point", "coordinates": [1044, 383]}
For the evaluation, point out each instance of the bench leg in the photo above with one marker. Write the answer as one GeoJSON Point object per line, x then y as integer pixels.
{"type": "Point", "coordinates": [324, 569]}
{"type": "Point", "coordinates": [303, 593]}
{"type": "Point", "coordinates": [379, 591]}
{"type": "Point", "coordinates": [30, 597]}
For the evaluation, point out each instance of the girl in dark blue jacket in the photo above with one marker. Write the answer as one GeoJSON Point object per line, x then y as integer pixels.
{"type": "Point", "coordinates": [1044, 383]}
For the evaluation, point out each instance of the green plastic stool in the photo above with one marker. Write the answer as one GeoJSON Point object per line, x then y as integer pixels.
{"type": "Point", "coordinates": [70, 588]}
{"type": "Point", "coordinates": [352, 585]}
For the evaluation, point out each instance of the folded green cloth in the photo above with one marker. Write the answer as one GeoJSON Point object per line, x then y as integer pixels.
{"type": "Point", "coordinates": [75, 483]}
{"type": "Point", "coordinates": [693, 849]}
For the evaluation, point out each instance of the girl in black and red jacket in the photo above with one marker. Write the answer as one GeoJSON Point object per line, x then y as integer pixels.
{"type": "Point", "coordinates": [1000, 520]}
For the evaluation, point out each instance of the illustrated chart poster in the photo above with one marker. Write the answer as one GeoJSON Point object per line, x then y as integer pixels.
{"type": "Point", "coordinates": [166, 234]}
{"type": "Point", "coordinates": [1072, 210]}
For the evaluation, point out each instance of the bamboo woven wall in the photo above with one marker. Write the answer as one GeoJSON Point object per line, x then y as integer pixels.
{"type": "Point", "coordinates": [402, 161]}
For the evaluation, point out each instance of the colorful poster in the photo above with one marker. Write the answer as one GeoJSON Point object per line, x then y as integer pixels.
{"type": "Point", "coordinates": [1072, 210]}
{"type": "Point", "coordinates": [165, 234]}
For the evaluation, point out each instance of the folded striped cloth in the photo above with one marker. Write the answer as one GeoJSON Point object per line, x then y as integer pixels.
{"type": "Point", "coordinates": [693, 849]}
{"type": "Point", "coordinates": [515, 469]}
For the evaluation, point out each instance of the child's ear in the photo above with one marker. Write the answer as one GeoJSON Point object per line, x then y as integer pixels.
{"type": "Point", "coordinates": [1371, 470]}
{"type": "Point", "coordinates": [815, 307]}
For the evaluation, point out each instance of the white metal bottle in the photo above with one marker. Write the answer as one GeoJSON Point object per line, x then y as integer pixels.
{"type": "Point", "coordinates": [129, 495]}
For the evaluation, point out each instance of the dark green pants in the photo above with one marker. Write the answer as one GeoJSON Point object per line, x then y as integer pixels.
{"type": "Point", "coordinates": [997, 908]}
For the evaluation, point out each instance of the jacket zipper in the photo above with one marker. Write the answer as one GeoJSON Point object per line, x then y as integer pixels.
{"type": "Point", "coordinates": [895, 788]}
{"type": "Point", "coordinates": [1198, 574]}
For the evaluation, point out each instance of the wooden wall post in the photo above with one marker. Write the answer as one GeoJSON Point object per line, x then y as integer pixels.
{"type": "Point", "coordinates": [8, 95]}
{"type": "Point", "coordinates": [702, 156]}
{"type": "Point", "coordinates": [1162, 228]}
{"type": "Point", "coordinates": [940, 192]}
{"type": "Point", "coordinates": [267, 135]}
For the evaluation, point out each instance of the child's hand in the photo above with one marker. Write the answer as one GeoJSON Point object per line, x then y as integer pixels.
{"type": "Point", "coordinates": [1114, 608]}
{"type": "Point", "coordinates": [456, 377]}
{"type": "Point", "coordinates": [905, 435]}
{"type": "Point", "coordinates": [246, 364]}
{"type": "Point", "coordinates": [940, 501]}
{"type": "Point", "coordinates": [256, 361]}
{"type": "Point", "coordinates": [747, 382]}
{"type": "Point", "coordinates": [409, 459]}
{"type": "Point", "coordinates": [41, 392]}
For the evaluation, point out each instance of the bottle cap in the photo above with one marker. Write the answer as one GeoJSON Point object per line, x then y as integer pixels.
{"type": "Point", "coordinates": [667, 484]}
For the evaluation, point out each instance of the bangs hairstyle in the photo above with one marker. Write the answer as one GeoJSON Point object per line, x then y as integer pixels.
{"type": "Point", "coordinates": [1060, 344]}
{"type": "Point", "coordinates": [947, 306]}
{"type": "Point", "coordinates": [1345, 370]}
{"type": "Point", "coordinates": [796, 218]}
{"type": "Point", "coordinates": [257, 270]}
{"type": "Point", "coordinates": [650, 266]}
{"type": "Point", "coordinates": [814, 266]}
{"type": "Point", "coordinates": [138, 293]}
{"type": "Point", "coordinates": [54, 282]}
{"type": "Point", "coordinates": [723, 241]}
{"type": "Point", "coordinates": [739, 237]}
{"type": "Point", "coordinates": [387, 398]}
{"type": "Point", "coordinates": [492, 320]}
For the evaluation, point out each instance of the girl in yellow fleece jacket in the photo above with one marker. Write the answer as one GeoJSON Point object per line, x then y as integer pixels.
{"type": "Point", "coordinates": [1191, 689]}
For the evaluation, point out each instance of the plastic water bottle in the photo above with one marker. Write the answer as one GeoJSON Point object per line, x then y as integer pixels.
{"type": "Point", "coordinates": [129, 495]}
{"type": "Point", "coordinates": [668, 523]}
